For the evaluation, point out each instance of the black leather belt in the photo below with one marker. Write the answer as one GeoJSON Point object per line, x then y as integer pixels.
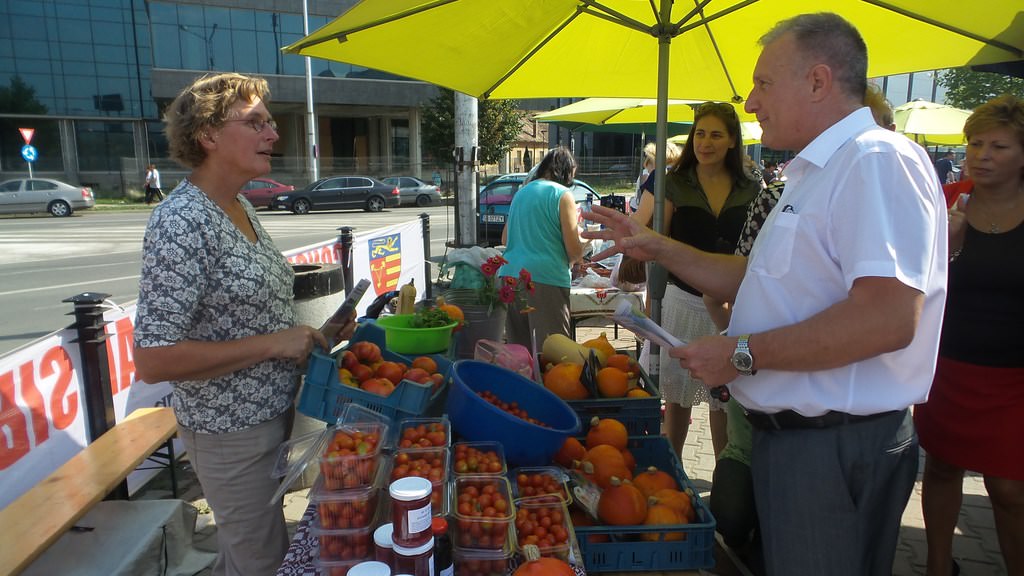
{"type": "Point", "coordinates": [790, 420]}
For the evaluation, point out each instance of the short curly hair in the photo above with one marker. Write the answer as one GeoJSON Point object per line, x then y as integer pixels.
{"type": "Point", "coordinates": [1006, 111]}
{"type": "Point", "coordinates": [204, 105]}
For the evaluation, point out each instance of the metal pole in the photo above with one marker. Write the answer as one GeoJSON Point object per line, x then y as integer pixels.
{"type": "Point", "coordinates": [92, 345]}
{"type": "Point", "coordinates": [425, 222]}
{"type": "Point", "coordinates": [466, 138]}
{"type": "Point", "coordinates": [657, 275]}
{"type": "Point", "coordinates": [345, 237]}
{"type": "Point", "coordinates": [313, 161]}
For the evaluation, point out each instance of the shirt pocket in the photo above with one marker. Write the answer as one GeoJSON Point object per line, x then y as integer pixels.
{"type": "Point", "coordinates": [775, 251]}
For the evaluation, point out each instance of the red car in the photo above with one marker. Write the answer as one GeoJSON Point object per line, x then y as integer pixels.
{"type": "Point", "coordinates": [260, 191]}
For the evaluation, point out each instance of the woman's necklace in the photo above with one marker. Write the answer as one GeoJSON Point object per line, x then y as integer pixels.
{"type": "Point", "coordinates": [993, 226]}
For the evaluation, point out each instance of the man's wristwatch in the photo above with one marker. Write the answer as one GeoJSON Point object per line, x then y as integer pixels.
{"type": "Point", "coordinates": [742, 360]}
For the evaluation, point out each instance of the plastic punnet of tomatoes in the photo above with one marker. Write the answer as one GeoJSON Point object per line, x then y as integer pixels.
{"type": "Point", "coordinates": [335, 567]}
{"type": "Point", "coordinates": [351, 508]}
{"type": "Point", "coordinates": [483, 511]}
{"type": "Point", "coordinates": [482, 457]}
{"type": "Point", "coordinates": [528, 481]}
{"type": "Point", "coordinates": [544, 522]}
{"type": "Point", "coordinates": [469, 562]}
{"type": "Point", "coordinates": [345, 544]}
{"type": "Point", "coordinates": [424, 433]}
{"type": "Point", "coordinates": [429, 463]}
{"type": "Point", "coordinates": [350, 456]}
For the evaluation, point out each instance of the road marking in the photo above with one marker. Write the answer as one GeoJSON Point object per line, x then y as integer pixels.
{"type": "Point", "coordinates": [62, 286]}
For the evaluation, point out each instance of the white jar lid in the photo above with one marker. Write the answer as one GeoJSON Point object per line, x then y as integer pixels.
{"type": "Point", "coordinates": [410, 488]}
{"type": "Point", "coordinates": [403, 551]}
{"type": "Point", "coordinates": [370, 569]}
{"type": "Point", "coordinates": [382, 535]}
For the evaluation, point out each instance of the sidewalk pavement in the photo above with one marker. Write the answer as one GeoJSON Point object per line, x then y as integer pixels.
{"type": "Point", "coordinates": [975, 546]}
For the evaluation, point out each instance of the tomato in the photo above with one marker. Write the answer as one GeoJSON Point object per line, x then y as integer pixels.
{"type": "Point", "coordinates": [471, 459]}
{"type": "Point", "coordinates": [538, 484]}
{"type": "Point", "coordinates": [350, 458]}
{"type": "Point", "coordinates": [429, 463]}
{"type": "Point", "coordinates": [483, 517]}
{"type": "Point", "coordinates": [542, 523]}
{"type": "Point", "coordinates": [512, 408]}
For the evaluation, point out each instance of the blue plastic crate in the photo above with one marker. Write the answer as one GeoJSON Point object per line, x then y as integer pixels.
{"type": "Point", "coordinates": [626, 552]}
{"type": "Point", "coordinates": [641, 416]}
{"type": "Point", "coordinates": [323, 395]}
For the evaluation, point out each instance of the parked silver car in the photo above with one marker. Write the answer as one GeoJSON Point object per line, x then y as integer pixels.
{"type": "Point", "coordinates": [415, 191]}
{"type": "Point", "coordinates": [26, 195]}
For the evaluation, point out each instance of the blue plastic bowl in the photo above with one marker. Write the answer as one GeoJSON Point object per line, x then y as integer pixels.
{"type": "Point", "coordinates": [476, 419]}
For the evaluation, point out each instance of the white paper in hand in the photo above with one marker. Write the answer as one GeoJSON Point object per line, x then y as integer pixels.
{"type": "Point", "coordinates": [637, 322]}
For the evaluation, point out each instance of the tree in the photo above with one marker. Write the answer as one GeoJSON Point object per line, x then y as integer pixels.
{"type": "Point", "coordinates": [20, 98]}
{"type": "Point", "coordinates": [968, 89]}
{"type": "Point", "coordinates": [499, 123]}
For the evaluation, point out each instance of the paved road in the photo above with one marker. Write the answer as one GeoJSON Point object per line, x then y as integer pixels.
{"type": "Point", "coordinates": [44, 259]}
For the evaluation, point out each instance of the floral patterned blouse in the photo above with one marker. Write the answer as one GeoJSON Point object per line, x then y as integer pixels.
{"type": "Point", "coordinates": [202, 279]}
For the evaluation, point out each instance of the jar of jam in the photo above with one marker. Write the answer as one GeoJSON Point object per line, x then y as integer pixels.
{"type": "Point", "coordinates": [410, 512]}
{"type": "Point", "coordinates": [383, 548]}
{"type": "Point", "coordinates": [370, 568]}
{"type": "Point", "coordinates": [417, 561]}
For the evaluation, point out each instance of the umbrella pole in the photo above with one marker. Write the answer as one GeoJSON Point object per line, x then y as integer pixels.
{"type": "Point", "coordinates": [658, 276]}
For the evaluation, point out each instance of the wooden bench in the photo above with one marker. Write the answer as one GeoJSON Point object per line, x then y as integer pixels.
{"type": "Point", "coordinates": [40, 516]}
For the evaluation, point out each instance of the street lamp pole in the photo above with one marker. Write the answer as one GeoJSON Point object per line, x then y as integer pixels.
{"type": "Point", "coordinates": [313, 161]}
{"type": "Point", "coordinates": [208, 40]}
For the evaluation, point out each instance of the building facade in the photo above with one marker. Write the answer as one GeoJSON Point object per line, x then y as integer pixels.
{"type": "Point", "coordinates": [91, 77]}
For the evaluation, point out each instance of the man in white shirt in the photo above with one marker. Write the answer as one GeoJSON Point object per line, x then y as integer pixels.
{"type": "Point", "coordinates": [835, 327]}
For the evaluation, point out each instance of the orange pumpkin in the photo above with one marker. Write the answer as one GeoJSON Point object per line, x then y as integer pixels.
{"type": "Point", "coordinates": [651, 480]}
{"type": "Point", "coordinates": [563, 380]}
{"type": "Point", "coordinates": [604, 462]}
{"type": "Point", "coordinates": [627, 456]}
{"type": "Point", "coordinates": [537, 565]}
{"type": "Point", "coordinates": [612, 382]}
{"type": "Point", "coordinates": [580, 518]}
{"type": "Point", "coordinates": [453, 312]}
{"type": "Point", "coordinates": [602, 345]}
{"type": "Point", "coordinates": [607, 431]}
{"type": "Point", "coordinates": [638, 393]}
{"type": "Point", "coordinates": [621, 504]}
{"type": "Point", "coordinates": [622, 362]}
{"type": "Point", "coordinates": [570, 451]}
{"type": "Point", "coordinates": [676, 499]}
{"type": "Point", "coordinates": [661, 515]}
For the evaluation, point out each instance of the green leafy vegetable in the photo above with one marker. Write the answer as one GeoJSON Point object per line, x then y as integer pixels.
{"type": "Point", "coordinates": [430, 318]}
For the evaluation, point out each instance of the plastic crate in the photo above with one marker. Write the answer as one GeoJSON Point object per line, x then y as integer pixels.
{"type": "Point", "coordinates": [625, 551]}
{"type": "Point", "coordinates": [324, 396]}
{"type": "Point", "coordinates": [641, 416]}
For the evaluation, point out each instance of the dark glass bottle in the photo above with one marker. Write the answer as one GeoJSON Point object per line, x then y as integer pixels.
{"type": "Point", "coordinates": [443, 564]}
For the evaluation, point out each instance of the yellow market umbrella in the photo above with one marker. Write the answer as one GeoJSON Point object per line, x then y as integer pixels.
{"type": "Point", "coordinates": [605, 111]}
{"type": "Point", "coordinates": [931, 124]}
{"type": "Point", "coordinates": [749, 131]}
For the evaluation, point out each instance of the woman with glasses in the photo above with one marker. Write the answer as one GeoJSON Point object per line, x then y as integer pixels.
{"type": "Point", "coordinates": [215, 316]}
{"type": "Point", "coordinates": [706, 199]}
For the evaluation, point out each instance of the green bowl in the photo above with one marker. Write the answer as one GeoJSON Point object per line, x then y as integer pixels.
{"type": "Point", "coordinates": [401, 338]}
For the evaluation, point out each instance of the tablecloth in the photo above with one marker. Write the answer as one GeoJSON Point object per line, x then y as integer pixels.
{"type": "Point", "coordinates": [587, 302]}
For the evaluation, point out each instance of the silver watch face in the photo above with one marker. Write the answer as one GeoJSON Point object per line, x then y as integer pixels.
{"type": "Point", "coordinates": [742, 361]}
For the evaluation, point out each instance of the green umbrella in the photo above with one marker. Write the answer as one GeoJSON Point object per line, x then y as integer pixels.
{"type": "Point", "coordinates": [931, 124]}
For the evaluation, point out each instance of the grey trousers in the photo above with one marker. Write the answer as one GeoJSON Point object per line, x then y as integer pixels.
{"type": "Point", "coordinates": [830, 501]}
{"type": "Point", "coordinates": [551, 316]}
{"type": "Point", "coordinates": [234, 470]}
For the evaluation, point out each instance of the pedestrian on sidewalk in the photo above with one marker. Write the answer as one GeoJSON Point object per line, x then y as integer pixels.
{"type": "Point", "coordinates": [152, 184]}
{"type": "Point", "coordinates": [216, 318]}
{"type": "Point", "coordinates": [835, 327]}
{"type": "Point", "coordinates": [973, 417]}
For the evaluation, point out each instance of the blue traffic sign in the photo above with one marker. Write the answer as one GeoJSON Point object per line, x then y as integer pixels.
{"type": "Point", "coordinates": [29, 153]}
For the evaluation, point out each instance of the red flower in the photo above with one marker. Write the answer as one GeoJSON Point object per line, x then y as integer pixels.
{"type": "Point", "coordinates": [489, 268]}
{"type": "Point", "coordinates": [507, 294]}
{"type": "Point", "coordinates": [510, 281]}
{"type": "Point", "coordinates": [525, 276]}
{"type": "Point", "coordinates": [530, 287]}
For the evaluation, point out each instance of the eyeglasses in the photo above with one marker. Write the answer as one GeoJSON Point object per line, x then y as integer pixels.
{"type": "Point", "coordinates": [257, 124]}
{"type": "Point", "coordinates": [724, 107]}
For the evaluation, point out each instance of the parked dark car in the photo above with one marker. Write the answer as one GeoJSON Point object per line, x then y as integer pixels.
{"type": "Point", "coordinates": [339, 193]}
{"type": "Point", "coordinates": [496, 198]}
{"type": "Point", "coordinates": [415, 191]}
{"type": "Point", "coordinates": [260, 192]}
{"type": "Point", "coordinates": [27, 195]}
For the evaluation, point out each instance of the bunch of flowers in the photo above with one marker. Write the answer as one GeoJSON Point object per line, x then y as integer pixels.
{"type": "Point", "coordinates": [504, 291]}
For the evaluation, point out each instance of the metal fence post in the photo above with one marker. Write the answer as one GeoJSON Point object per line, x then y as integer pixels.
{"type": "Point", "coordinates": [429, 290]}
{"type": "Point", "coordinates": [92, 344]}
{"type": "Point", "coordinates": [345, 238]}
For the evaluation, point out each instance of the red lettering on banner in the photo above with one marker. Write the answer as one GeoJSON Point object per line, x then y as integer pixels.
{"type": "Point", "coordinates": [122, 366]}
{"type": "Point", "coordinates": [14, 443]}
{"type": "Point", "coordinates": [37, 407]}
{"type": "Point", "coordinates": [64, 401]}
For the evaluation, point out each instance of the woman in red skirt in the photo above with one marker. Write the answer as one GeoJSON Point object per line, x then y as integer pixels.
{"type": "Point", "coordinates": [974, 417]}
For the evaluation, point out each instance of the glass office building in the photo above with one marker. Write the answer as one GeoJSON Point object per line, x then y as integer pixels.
{"type": "Point", "coordinates": [91, 77]}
